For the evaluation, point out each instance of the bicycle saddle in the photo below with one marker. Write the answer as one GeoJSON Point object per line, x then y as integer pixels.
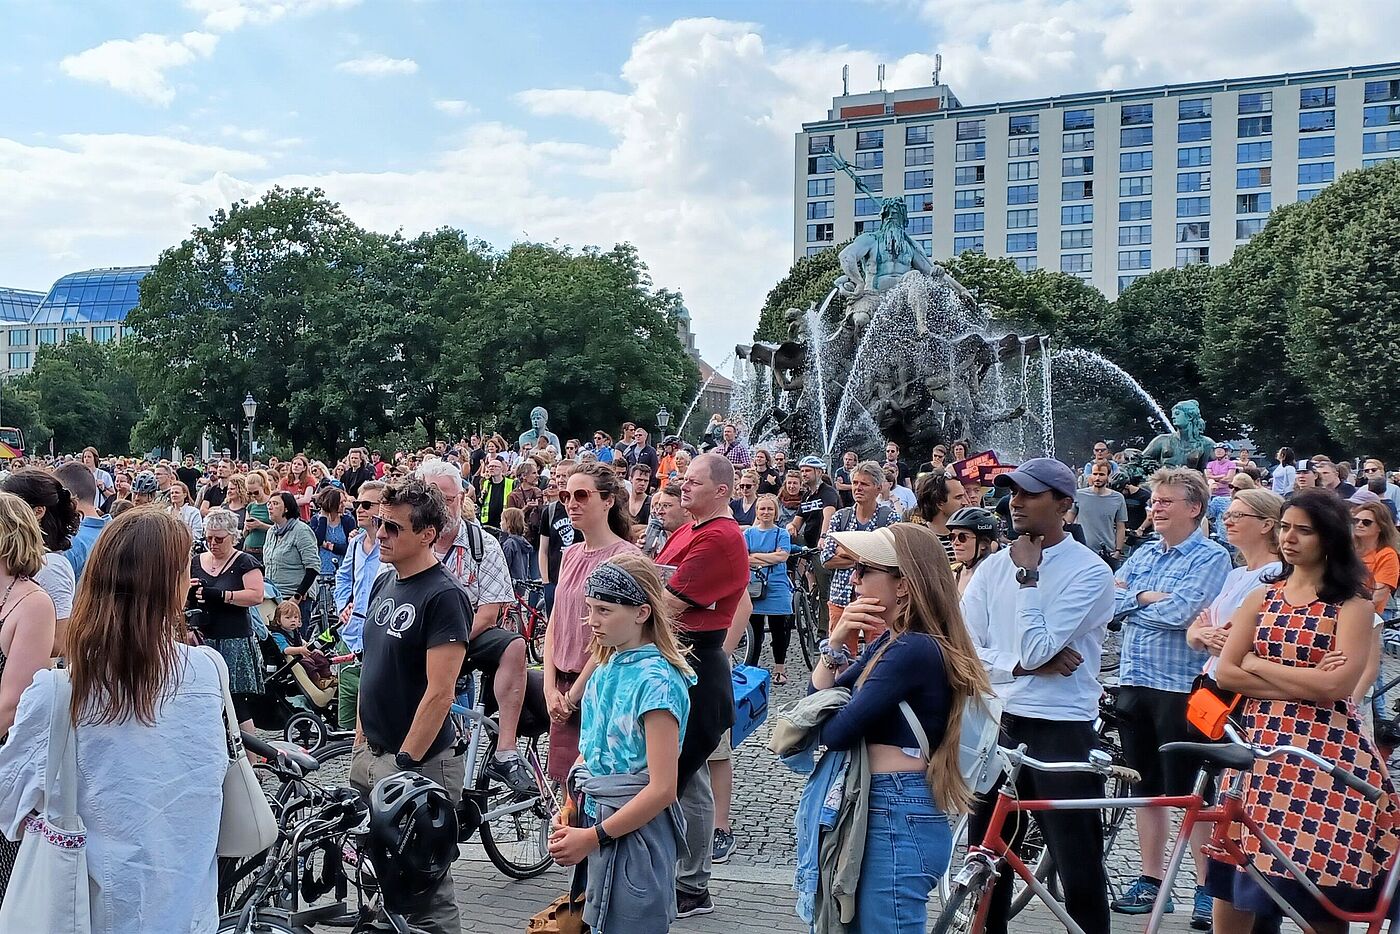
{"type": "Point", "coordinates": [292, 753]}
{"type": "Point", "coordinates": [1223, 755]}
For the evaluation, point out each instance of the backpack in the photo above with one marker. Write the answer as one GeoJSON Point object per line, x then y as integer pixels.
{"type": "Point", "coordinates": [977, 746]}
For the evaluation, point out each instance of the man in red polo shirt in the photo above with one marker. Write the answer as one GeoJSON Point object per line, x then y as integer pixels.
{"type": "Point", "coordinates": [711, 575]}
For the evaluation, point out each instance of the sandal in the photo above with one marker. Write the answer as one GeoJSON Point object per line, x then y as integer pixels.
{"type": "Point", "coordinates": [780, 678]}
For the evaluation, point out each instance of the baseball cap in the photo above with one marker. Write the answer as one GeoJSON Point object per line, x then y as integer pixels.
{"type": "Point", "coordinates": [876, 547]}
{"type": "Point", "coordinates": [1363, 497]}
{"type": "Point", "coordinates": [1038, 475]}
{"type": "Point", "coordinates": [812, 461]}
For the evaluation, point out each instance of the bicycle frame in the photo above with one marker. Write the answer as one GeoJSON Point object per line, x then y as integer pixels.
{"type": "Point", "coordinates": [1230, 810]}
{"type": "Point", "coordinates": [479, 725]}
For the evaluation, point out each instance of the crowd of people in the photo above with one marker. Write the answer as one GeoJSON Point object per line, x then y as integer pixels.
{"type": "Point", "coordinates": [650, 564]}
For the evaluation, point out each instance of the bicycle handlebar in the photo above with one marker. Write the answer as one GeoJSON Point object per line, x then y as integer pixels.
{"type": "Point", "coordinates": [1100, 763]}
{"type": "Point", "coordinates": [1346, 777]}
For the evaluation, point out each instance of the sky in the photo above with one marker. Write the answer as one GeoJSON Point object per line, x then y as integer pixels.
{"type": "Point", "coordinates": [666, 124]}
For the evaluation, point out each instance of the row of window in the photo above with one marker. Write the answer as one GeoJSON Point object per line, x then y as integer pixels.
{"type": "Point", "coordinates": [21, 337]}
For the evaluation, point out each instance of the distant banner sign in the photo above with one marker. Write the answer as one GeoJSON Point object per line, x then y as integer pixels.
{"type": "Point", "coordinates": [968, 470]}
{"type": "Point", "coordinates": [987, 475]}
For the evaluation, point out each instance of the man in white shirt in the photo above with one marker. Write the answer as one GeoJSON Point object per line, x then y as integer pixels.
{"type": "Point", "coordinates": [1037, 612]}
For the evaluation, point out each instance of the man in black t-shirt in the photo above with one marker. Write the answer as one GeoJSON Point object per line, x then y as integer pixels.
{"type": "Point", "coordinates": [843, 478]}
{"type": "Point", "coordinates": [216, 490]}
{"type": "Point", "coordinates": [415, 640]}
{"type": "Point", "coordinates": [819, 503]}
{"type": "Point", "coordinates": [556, 533]}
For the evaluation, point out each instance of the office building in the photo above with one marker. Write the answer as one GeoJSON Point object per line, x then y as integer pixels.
{"type": "Point", "coordinates": [92, 305]}
{"type": "Point", "coordinates": [1107, 185]}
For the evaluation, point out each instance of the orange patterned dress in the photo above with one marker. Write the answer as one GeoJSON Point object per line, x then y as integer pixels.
{"type": "Point", "coordinates": [1343, 842]}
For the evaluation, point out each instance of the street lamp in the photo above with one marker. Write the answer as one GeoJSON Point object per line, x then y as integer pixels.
{"type": "Point", "coordinates": [663, 418]}
{"type": "Point", "coordinates": [250, 412]}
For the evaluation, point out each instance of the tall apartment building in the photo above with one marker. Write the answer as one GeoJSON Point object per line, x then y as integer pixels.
{"type": "Point", "coordinates": [1108, 185]}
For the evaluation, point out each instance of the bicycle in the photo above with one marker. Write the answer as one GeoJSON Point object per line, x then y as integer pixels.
{"type": "Point", "coordinates": [514, 828]}
{"type": "Point", "coordinates": [525, 617]}
{"type": "Point", "coordinates": [806, 604]}
{"type": "Point", "coordinates": [966, 908]}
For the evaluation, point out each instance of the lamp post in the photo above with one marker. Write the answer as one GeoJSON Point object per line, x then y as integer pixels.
{"type": "Point", "coordinates": [663, 418]}
{"type": "Point", "coordinates": [250, 412]}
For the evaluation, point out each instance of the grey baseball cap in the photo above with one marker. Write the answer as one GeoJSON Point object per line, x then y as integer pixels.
{"type": "Point", "coordinates": [1038, 475]}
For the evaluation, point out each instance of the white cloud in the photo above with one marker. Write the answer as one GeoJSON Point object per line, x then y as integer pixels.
{"type": "Point", "coordinates": [454, 108]}
{"type": "Point", "coordinates": [377, 65]}
{"type": "Point", "coordinates": [138, 66]}
{"type": "Point", "coordinates": [228, 15]}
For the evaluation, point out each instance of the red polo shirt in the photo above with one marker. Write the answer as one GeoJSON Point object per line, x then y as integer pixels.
{"type": "Point", "coordinates": [712, 572]}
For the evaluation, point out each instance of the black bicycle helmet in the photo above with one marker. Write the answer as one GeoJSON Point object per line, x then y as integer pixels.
{"type": "Point", "coordinates": [145, 483]}
{"type": "Point", "coordinates": [975, 518]}
{"type": "Point", "coordinates": [412, 836]}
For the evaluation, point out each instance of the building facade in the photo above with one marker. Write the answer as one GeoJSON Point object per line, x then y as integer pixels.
{"type": "Point", "coordinates": [92, 305]}
{"type": "Point", "coordinates": [1108, 185]}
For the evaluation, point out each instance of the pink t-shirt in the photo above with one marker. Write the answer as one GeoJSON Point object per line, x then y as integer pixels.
{"type": "Point", "coordinates": [1217, 471]}
{"type": "Point", "coordinates": [571, 633]}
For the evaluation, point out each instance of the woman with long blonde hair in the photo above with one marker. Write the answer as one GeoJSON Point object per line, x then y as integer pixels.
{"type": "Point", "coordinates": [150, 738]}
{"type": "Point", "coordinates": [634, 716]}
{"type": "Point", "coordinates": [909, 688]}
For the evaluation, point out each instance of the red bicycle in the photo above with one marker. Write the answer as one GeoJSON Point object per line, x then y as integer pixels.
{"type": "Point", "coordinates": [965, 909]}
{"type": "Point", "coordinates": [524, 617]}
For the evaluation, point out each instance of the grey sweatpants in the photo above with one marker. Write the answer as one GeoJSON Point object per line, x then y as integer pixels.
{"type": "Point", "coordinates": [437, 912]}
{"type": "Point", "coordinates": [697, 801]}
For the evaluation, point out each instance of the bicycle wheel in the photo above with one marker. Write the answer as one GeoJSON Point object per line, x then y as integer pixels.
{"type": "Point", "coordinates": [534, 642]}
{"type": "Point", "coordinates": [740, 655]}
{"type": "Point", "coordinates": [236, 878]}
{"type": "Point", "coordinates": [1035, 854]}
{"type": "Point", "coordinates": [517, 843]}
{"type": "Point", "coordinates": [960, 908]}
{"type": "Point", "coordinates": [267, 921]}
{"type": "Point", "coordinates": [806, 625]}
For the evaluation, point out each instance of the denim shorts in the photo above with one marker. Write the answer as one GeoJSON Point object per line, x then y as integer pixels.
{"type": "Point", "coordinates": [908, 843]}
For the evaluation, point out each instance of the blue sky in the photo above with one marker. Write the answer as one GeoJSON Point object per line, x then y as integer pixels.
{"type": "Point", "coordinates": [667, 124]}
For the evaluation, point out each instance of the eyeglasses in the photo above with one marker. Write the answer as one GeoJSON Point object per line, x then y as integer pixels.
{"type": "Point", "coordinates": [1163, 502]}
{"type": "Point", "coordinates": [365, 504]}
{"type": "Point", "coordinates": [1363, 522]}
{"type": "Point", "coordinates": [961, 537]}
{"type": "Point", "coordinates": [860, 569]}
{"type": "Point", "coordinates": [389, 524]}
{"type": "Point", "coordinates": [1237, 516]}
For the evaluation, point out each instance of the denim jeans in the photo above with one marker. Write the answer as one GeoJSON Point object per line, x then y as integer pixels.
{"type": "Point", "coordinates": [908, 842]}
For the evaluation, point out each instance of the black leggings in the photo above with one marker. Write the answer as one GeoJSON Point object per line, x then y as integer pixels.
{"type": "Point", "coordinates": [781, 627]}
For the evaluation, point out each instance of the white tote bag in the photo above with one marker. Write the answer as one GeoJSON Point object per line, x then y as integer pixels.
{"type": "Point", "coordinates": [49, 889]}
{"type": "Point", "coordinates": [247, 825]}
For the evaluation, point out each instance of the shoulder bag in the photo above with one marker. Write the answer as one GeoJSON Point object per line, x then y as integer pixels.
{"type": "Point", "coordinates": [49, 890]}
{"type": "Point", "coordinates": [247, 826]}
{"type": "Point", "coordinates": [758, 580]}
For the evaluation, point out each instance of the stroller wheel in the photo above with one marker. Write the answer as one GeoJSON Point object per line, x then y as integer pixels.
{"type": "Point", "coordinates": [305, 730]}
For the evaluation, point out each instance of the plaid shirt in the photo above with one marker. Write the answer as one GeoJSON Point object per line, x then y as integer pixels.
{"type": "Point", "coordinates": [737, 452]}
{"type": "Point", "coordinates": [1155, 653]}
{"type": "Point", "coordinates": [485, 581]}
{"type": "Point", "coordinates": [845, 521]}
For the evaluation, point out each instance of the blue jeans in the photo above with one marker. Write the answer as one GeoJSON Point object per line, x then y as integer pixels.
{"type": "Point", "coordinates": [908, 843]}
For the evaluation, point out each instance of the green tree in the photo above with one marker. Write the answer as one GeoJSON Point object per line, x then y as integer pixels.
{"type": "Point", "coordinates": [1156, 325]}
{"type": "Point", "coordinates": [1061, 306]}
{"type": "Point", "coordinates": [19, 410]}
{"type": "Point", "coordinates": [83, 393]}
{"type": "Point", "coordinates": [582, 333]}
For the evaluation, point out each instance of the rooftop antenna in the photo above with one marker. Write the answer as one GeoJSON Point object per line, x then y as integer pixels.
{"type": "Point", "coordinates": [845, 80]}
{"type": "Point", "coordinates": [937, 66]}
{"type": "Point", "coordinates": [882, 77]}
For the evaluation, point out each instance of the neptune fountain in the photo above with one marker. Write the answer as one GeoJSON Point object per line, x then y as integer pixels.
{"type": "Point", "coordinates": [898, 351]}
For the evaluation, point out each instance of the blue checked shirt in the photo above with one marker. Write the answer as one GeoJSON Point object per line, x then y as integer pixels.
{"type": "Point", "coordinates": [842, 588]}
{"type": "Point", "coordinates": [1155, 653]}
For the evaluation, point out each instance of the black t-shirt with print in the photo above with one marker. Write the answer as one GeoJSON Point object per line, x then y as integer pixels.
{"type": "Point", "coordinates": [556, 528]}
{"type": "Point", "coordinates": [810, 510]}
{"type": "Point", "coordinates": [407, 617]}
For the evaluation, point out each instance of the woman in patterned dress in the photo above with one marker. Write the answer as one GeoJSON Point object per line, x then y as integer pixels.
{"type": "Point", "coordinates": [1296, 649]}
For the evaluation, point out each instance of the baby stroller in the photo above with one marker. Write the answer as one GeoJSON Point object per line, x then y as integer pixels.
{"type": "Point", "coordinates": [293, 704]}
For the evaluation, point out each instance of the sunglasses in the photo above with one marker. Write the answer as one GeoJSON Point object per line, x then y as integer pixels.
{"type": "Point", "coordinates": [579, 496]}
{"type": "Point", "coordinates": [217, 539]}
{"type": "Point", "coordinates": [860, 569]}
{"type": "Point", "coordinates": [961, 537]}
{"type": "Point", "coordinates": [1363, 522]}
{"type": "Point", "coordinates": [382, 523]}
{"type": "Point", "coordinates": [365, 504]}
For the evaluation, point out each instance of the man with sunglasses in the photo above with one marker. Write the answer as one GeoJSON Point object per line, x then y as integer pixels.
{"type": "Point", "coordinates": [1037, 612]}
{"type": "Point", "coordinates": [354, 580]}
{"type": "Point", "coordinates": [1373, 470]}
{"type": "Point", "coordinates": [415, 639]}
{"type": "Point", "coordinates": [1101, 456]}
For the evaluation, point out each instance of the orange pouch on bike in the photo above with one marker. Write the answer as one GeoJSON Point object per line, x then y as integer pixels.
{"type": "Point", "coordinates": [1207, 711]}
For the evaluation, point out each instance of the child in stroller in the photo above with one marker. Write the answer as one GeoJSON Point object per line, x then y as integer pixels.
{"type": "Point", "coordinates": [286, 632]}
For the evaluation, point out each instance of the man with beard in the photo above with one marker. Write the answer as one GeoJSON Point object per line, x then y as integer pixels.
{"type": "Point", "coordinates": [1103, 515]}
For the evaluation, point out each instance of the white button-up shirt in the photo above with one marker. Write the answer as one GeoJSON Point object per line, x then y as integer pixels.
{"type": "Point", "coordinates": [1013, 625]}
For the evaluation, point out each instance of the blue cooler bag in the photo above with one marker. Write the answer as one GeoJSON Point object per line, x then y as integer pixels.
{"type": "Point", "coordinates": [751, 685]}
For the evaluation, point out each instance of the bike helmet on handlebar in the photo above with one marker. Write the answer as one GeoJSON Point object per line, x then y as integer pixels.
{"type": "Point", "coordinates": [412, 836]}
{"type": "Point", "coordinates": [145, 483]}
{"type": "Point", "coordinates": [980, 521]}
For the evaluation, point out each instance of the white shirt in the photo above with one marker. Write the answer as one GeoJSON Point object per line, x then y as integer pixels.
{"type": "Point", "coordinates": [150, 797]}
{"type": "Point", "coordinates": [1283, 478]}
{"type": "Point", "coordinates": [59, 582]}
{"type": "Point", "coordinates": [1239, 583]}
{"type": "Point", "coordinates": [901, 500]}
{"type": "Point", "coordinates": [1013, 625]}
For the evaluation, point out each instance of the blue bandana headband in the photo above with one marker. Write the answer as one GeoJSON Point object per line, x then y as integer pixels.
{"type": "Point", "coordinates": [611, 584]}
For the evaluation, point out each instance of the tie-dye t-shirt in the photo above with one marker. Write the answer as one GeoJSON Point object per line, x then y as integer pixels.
{"type": "Point", "coordinates": [612, 739]}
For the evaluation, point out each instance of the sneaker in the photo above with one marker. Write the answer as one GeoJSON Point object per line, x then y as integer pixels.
{"type": "Point", "coordinates": [688, 906]}
{"type": "Point", "coordinates": [724, 846]}
{"type": "Point", "coordinates": [513, 773]}
{"type": "Point", "coordinates": [1139, 898]}
{"type": "Point", "coordinates": [1201, 910]}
